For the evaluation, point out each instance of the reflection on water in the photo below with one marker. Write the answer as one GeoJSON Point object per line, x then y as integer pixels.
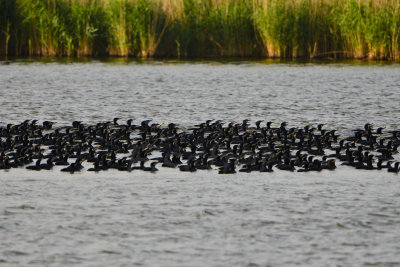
{"type": "Point", "coordinates": [340, 218]}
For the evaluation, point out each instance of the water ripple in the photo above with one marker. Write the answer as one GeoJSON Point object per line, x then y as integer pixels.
{"type": "Point", "coordinates": [342, 218]}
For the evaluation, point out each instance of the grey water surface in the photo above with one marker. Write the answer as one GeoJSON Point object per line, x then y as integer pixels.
{"type": "Point", "coordinates": [342, 218]}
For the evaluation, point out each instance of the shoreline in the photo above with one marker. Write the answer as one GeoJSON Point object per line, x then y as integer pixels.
{"type": "Point", "coordinates": [222, 60]}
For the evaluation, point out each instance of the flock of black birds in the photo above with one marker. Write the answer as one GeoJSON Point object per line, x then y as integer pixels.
{"type": "Point", "coordinates": [229, 148]}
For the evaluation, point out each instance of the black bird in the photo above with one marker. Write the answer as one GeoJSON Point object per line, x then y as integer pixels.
{"type": "Point", "coordinates": [287, 165]}
{"type": "Point", "coordinates": [228, 168]}
{"type": "Point", "coordinates": [96, 167]}
{"type": "Point", "coordinates": [329, 165]}
{"type": "Point", "coordinates": [395, 168]}
{"type": "Point", "coordinates": [48, 165]}
{"type": "Point", "coordinates": [152, 167]}
{"type": "Point", "coordinates": [188, 168]}
{"type": "Point", "coordinates": [74, 167]}
{"type": "Point", "coordinates": [212, 145]}
{"type": "Point", "coordinates": [305, 167]}
{"type": "Point", "coordinates": [37, 166]}
{"type": "Point", "coordinates": [5, 164]}
{"type": "Point", "coordinates": [266, 167]}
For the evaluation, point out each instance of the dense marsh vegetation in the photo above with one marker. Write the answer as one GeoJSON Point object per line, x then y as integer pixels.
{"type": "Point", "coordinates": [201, 28]}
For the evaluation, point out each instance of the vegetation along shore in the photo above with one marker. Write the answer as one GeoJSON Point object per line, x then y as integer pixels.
{"type": "Point", "coordinates": [201, 28]}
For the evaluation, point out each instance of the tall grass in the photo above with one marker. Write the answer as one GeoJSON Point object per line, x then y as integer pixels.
{"type": "Point", "coordinates": [201, 28]}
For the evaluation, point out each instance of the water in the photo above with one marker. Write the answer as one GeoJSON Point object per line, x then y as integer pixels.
{"type": "Point", "coordinates": [340, 218]}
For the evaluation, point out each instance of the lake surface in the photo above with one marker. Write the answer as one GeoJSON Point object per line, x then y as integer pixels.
{"type": "Point", "coordinates": [340, 218]}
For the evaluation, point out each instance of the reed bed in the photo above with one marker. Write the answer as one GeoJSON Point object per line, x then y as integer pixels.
{"type": "Point", "coordinates": [201, 28]}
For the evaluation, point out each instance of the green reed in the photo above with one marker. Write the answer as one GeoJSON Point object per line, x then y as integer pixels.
{"type": "Point", "coordinates": [201, 28]}
{"type": "Point", "coordinates": [210, 29]}
{"type": "Point", "coordinates": [7, 25]}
